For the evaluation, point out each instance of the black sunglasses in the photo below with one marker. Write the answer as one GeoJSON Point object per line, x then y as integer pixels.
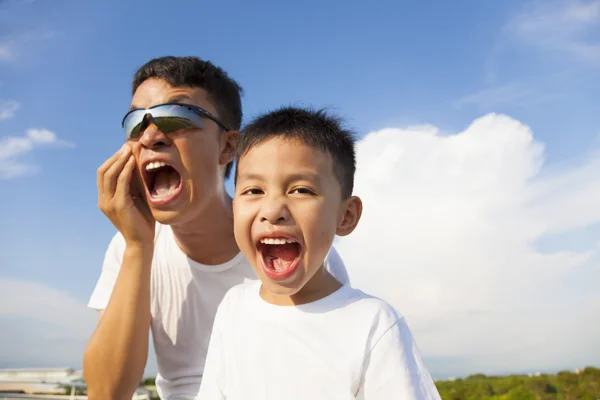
{"type": "Point", "coordinates": [168, 117]}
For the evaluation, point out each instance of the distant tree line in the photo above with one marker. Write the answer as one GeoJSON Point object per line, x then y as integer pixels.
{"type": "Point", "coordinates": [566, 385]}
{"type": "Point", "coordinates": [149, 382]}
{"type": "Point", "coordinates": [78, 391]}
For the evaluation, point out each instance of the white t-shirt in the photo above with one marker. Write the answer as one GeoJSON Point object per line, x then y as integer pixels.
{"type": "Point", "coordinates": [348, 345]}
{"type": "Point", "coordinates": [184, 300]}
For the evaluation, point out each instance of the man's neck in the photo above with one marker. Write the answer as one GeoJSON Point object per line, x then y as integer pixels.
{"type": "Point", "coordinates": [209, 239]}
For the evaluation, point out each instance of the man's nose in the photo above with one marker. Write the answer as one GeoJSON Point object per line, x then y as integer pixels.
{"type": "Point", "coordinates": [275, 211]}
{"type": "Point", "coordinates": [152, 137]}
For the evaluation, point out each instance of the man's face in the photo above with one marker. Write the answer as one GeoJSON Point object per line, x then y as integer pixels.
{"type": "Point", "coordinates": [182, 172]}
{"type": "Point", "coordinates": [287, 209]}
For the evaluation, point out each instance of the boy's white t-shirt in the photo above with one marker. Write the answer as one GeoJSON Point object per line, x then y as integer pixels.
{"type": "Point", "coordinates": [348, 345]}
{"type": "Point", "coordinates": [184, 300]}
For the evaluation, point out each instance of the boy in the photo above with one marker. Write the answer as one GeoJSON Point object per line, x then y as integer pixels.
{"type": "Point", "coordinates": [300, 333]}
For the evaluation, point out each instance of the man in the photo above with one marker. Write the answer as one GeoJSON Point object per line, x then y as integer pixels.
{"type": "Point", "coordinates": [175, 256]}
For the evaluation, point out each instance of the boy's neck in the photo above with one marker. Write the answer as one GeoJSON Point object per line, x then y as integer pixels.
{"type": "Point", "coordinates": [321, 285]}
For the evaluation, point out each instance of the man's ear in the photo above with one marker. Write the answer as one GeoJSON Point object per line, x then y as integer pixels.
{"type": "Point", "coordinates": [350, 215]}
{"type": "Point", "coordinates": [228, 143]}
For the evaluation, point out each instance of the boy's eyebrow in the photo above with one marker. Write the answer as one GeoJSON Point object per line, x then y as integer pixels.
{"type": "Point", "coordinates": [302, 176]}
{"type": "Point", "coordinates": [305, 176]}
{"type": "Point", "coordinates": [250, 176]}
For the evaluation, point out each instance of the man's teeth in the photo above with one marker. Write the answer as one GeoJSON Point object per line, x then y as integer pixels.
{"type": "Point", "coordinates": [276, 241]}
{"type": "Point", "coordinates": [155, 165]}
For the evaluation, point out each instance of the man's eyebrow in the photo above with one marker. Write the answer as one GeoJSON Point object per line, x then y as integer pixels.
{"type": "Point", "coordinates": [179, 98]}
{"type": "Point", "coordinates": [175, 99]}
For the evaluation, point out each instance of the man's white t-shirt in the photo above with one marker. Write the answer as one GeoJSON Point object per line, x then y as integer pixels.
{"type": "Point", "coordinates": [184, 300]}
{"type": "Point", "coordinates": [348, 345]}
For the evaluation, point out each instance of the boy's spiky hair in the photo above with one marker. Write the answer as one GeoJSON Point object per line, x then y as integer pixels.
{"type": "Point", "coordinates": [317, 128]}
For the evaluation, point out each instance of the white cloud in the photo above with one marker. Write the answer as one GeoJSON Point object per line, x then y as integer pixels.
{"type": "Point", "coordinates": [46, 327]}
{"type": "Point", "coordinates": [6, 51]}
{"type": "Point", "coordinates": [39, 302]}
{"type": "Point", "coordinates": [13, 148]}
{"type": "Point", "coordinates": [41, 326]}
{"type": "Point", "coordinates": [8, 108]}
{"type": "Point", "coordinates": [15, 46]}
{"type": "Point", "coordinates": [509, 93]}
{"type": "Point", "coordinates": [567, 26]}
{"type": "Point", "coordinates": [43, 136]}
{"type": "Point", "coordinates": [449, 235]}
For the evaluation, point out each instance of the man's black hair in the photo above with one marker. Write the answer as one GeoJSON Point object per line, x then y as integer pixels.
{"type": "Point", "coordinates": [223, 92]}
{"type": "Point", "coordinates": [316, 128]}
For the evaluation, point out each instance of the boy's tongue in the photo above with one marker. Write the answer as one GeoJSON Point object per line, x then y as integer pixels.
{"type": "Point", "coordinates": [165, 181]}
{"type": "Point", "coordinates": [281, 256]}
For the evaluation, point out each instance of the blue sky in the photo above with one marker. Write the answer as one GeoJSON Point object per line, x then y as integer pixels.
{"type": "Point", "coordinates": [65, 72]}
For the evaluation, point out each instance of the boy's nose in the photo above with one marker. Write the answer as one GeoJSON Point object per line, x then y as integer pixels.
{"type": "Point", "coordinates": [274, 212]}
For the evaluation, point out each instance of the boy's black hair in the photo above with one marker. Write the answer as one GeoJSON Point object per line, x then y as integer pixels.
{"type": "Point", "coordinates": [223, 92]}
{"type": "Point", "coordinates": [316, 128]}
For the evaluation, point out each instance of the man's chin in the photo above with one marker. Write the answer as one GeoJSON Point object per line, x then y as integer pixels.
{"type": "Point", "coordinates": [170, 214]}
{"type": "Point", "coordinates": [166, 217]}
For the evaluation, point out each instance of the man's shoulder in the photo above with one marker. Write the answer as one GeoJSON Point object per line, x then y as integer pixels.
{"type": "Point", "coordinates": [335, 265]}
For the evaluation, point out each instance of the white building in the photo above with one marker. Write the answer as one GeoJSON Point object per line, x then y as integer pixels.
{"type": "Point", "coordinates": [46, 381]}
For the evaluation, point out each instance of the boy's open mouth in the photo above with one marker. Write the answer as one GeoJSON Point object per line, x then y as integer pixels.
{"type": "Point", "coordinates": [162, 180]}
{"type": "Point", "coordinates": [280, 256]}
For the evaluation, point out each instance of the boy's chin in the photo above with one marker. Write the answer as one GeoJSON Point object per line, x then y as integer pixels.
{"type": "Point", "coordinates": [279, 293]}
{"type": "Point", "coordinates": [286, 289]}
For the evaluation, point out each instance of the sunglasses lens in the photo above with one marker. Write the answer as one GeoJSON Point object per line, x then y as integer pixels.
{"type": "Point", "coordinates": [168, 124]}
{"type": "Point", "coordinates": [132, 124]}
{"type": "Point", "coordinates": [168, 118]}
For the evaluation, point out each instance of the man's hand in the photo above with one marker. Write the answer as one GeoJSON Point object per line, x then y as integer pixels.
{"type": "Point", "coordinates": [120, 199]}
{"type": "Point", "coordinates": [116, 354]}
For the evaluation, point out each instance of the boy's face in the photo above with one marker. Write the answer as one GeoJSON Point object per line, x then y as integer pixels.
{"type": "Point", "coordinates": [195, 158]}
{"type": "Point", "coordinates": [287, 211]}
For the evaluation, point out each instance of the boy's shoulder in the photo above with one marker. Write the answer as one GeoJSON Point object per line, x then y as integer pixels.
{"type": "Point", "coordinates": [367, 307]}
{"type": "Point", "coordinates": [348, 306]}
{"type": "Point", "coordinates": [240, 293]}
{"type": "Point", "coordinates": [355, 300]}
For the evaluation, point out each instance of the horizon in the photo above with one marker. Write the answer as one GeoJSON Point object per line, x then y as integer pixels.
{"type": "Point", "coordinates": [449, 378]}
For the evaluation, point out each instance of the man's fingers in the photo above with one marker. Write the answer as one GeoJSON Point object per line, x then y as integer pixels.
{"type": "Point", "coordinates": [122, 192]}
{"type": "Point", "coordinates": [113, 172]}
{"type": "Point", "coordinates": [104, 167]}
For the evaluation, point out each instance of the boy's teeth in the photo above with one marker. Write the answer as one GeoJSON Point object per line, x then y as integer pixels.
{"type": "Point", "coordinates": [155, 165]}
{"type": "Point", "coordinates": [276, 241]}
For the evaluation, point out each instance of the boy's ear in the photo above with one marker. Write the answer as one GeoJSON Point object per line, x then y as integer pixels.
{"type": "Point", "coordinates": [228, 143]}
{"type": "Point", "coordinates": [350, 215]}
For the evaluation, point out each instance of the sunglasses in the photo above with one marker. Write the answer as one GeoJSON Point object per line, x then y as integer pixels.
{"type": "Point", "coordinates": [168, 117]}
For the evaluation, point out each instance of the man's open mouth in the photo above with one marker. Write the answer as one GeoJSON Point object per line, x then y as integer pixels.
{"type": "Point", "coordinates": [162, 180]}
{"type": "Point", "coordinates": [279, 255]}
